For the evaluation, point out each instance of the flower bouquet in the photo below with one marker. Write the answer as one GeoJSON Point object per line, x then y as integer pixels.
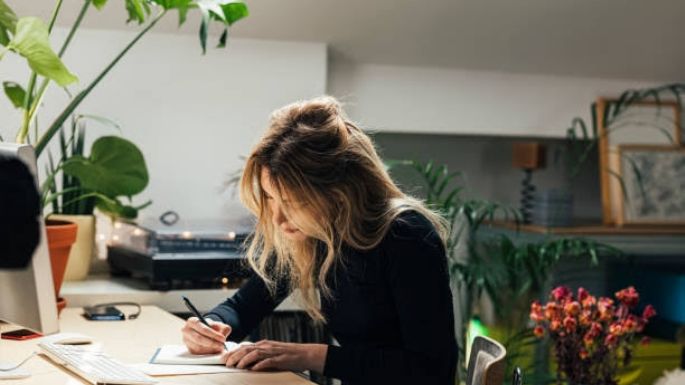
{"type": "Point", "coordinates": [592, 337]}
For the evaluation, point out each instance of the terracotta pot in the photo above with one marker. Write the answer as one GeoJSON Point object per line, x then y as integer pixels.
{"type": "Point", "coordinates": [61, 235]}
{"type": "Point", "coordinates": [81, 253]}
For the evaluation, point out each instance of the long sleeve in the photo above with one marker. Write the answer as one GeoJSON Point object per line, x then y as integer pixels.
{"type": "Point", "coordinates": [416, 271]}
{"type": "Point", "coordinates": [247, 307]}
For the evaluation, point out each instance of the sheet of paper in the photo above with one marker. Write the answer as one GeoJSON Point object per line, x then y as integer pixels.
{"type": "Point", "coordinates": [179, 355]}
{"type": "Point", "coordinates": [176, 370]}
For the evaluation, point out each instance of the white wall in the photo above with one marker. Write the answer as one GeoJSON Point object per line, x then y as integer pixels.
{"type": "Point", "coordinates": [191, 115]}
{"type": "Point", "coordinates": [431, 100]}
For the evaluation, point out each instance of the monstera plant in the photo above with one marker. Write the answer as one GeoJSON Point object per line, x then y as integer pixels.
{"type": "Point", "coordinates": [114, 170]}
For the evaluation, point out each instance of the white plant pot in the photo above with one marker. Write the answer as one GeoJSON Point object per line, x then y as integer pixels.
{"type": "Point", "coordinates": [82, 250]}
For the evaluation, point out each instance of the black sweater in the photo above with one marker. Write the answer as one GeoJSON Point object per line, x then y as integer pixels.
{"type": "Point", "coordinates": [391, 310]}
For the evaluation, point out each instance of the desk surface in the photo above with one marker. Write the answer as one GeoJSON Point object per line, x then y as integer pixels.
{"type": "Point", "coordinates": [130, 342]}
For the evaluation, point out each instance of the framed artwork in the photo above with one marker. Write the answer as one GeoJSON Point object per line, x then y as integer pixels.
{"type": "Point", "coordinates": [640, 124]}
{"type": "Point", "coordinates": [651, 185]}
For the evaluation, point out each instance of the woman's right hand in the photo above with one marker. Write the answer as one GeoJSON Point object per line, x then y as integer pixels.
{"type": "Point", "coordinates": [200, 339]}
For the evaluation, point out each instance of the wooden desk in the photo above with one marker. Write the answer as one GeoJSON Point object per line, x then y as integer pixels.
{"type": "Point", "coordinates": [130, 342]}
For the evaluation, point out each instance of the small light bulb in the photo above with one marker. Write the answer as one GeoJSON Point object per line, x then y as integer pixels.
{"type": "Point", "coordinates": [186, 234]}
{"type": "Point", "coordinates": [231, 236]}
{"type": "Point", "coordinates": [224, 281]}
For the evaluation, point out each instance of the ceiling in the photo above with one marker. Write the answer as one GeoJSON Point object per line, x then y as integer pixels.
{"type": "Point", "coordinates": [633, 39]}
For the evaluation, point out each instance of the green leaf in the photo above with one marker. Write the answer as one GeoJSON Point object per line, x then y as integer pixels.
{"type": "Point", "coordinates": [137, 10]}
{"type": "Point", "coordinates": [115, 167]}
{"type": "Point", "coordinates": [15, 93]}
{"type": "Point", "coordinates": [31, 42]}
{"type": "Point", "coordinates": [99, 4]}
{"type": "Point", "coordinates": [234, 11]}
{"type": "Point", "coordinates": [8, 23]}
{"type": "Point", "coordinates": [222, 39]}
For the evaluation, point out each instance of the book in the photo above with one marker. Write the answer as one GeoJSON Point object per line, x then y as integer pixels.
{"type": "Point", "coordinates": [179, 355]}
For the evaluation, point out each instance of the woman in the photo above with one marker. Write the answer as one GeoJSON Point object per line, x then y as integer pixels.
{"type": "Point", "coordinates": [331, 223]}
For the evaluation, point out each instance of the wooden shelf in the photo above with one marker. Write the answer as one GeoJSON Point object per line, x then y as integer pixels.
{"type": "Point", "coordinates": [593, 229]}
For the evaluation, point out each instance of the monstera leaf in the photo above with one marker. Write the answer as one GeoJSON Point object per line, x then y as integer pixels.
{"type": "Point", "coordinates": [8, 23]}
{"type": "Point", "coordinates": [115, 167]}
{"type": "Point", "coordinates": [30, 40]}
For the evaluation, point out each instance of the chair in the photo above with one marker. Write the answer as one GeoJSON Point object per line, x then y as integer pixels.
{"type": "Point", "coordinates": [486, 362]}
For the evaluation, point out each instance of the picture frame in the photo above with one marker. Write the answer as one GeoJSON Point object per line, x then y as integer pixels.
{"type": "Point", "coordinates": [651, 182]}
{"type": "Point", "coordinates": [646, 123]}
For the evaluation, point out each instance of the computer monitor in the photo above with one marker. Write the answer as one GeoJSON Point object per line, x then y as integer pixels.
{"type": "Point", "coordinates": [27, 296]}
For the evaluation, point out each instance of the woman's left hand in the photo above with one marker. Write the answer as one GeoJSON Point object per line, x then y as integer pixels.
{"type": "Point", "coordinates": [273, 355]}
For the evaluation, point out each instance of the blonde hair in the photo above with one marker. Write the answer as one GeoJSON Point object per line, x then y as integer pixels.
{"type": "Point", "coordinates": [330, 167]}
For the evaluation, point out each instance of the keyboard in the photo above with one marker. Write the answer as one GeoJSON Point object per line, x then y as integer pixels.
{"type": "Point", "coordinates": [94, 367]}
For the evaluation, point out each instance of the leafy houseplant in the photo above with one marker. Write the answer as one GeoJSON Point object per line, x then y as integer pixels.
{"type": "Point", "coordinates": [582, 137]}
{"type": "Point", "coordinates": [511, 274]}
{"type": "Point", "coordinates": [28, 37]}
{"type": "Point", "coordinates": [592, 337]}
{"type": "Point", "coordinates": [114, 169]}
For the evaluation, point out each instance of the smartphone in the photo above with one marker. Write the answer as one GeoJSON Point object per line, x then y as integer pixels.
{"type": "Point", "coordinates": [103, 313]}
{"type": "Point", "coordinates": [20, 334]}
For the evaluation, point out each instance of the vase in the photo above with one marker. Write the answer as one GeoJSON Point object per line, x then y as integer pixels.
{"type": "Point", "coordinates": [61, 235]}
{"type": "Point", "coordinates": [81, 253]}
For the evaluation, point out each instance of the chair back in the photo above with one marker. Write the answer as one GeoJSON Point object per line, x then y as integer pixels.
{"type": "Point", "coordinates": [486, 362]}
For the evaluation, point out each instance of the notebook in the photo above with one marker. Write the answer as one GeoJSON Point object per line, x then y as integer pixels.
{"type": "Point", "coordinates": [179, 355]}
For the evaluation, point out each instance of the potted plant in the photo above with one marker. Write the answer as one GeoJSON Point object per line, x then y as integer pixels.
{"type": "Point", "coordinates": [592, 337]}
{"type": "Point", "coordinates": [28, 37]}
{"type": "Point", "coordinates": [115, 168]}
{"type": "Point", "coordinates": [582, 137]}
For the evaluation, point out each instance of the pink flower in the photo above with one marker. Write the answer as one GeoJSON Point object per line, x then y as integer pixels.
{"type": "Point", "coordinates": [629, 296]}
{"type": "Point", "coordinates": [649, 312]}
{"type": "Point", "coordinates": [561, 293]}
{"type": "Point", "coordinates": [554, 325]}
{"type": "Point", "coordinates": [645, 341]}
{"type": "Point", "coordinates": [610, 340]}
{"type": "Point", "coordinates": [570, 324]}
{"type": "Point", "coordinates": [585, 318]}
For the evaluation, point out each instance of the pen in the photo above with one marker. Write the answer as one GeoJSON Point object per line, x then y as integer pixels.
{"type": "Point", "coordinates": [197, 314]}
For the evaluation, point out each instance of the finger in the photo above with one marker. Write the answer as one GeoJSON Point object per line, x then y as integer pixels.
{"type": "Point", "coordinates": [202, 341]}
{"type": "Point", "coordinates": [251, 358]}
{"type": "Point", "coordinates": [271, 363]}
{"type": "Point", "coordinates": [221, 327]}
{"type": "Point", "coordinates": [193, 347]}
{"type": "Point", "coordinates": [235, 356]}
{"type": "Point", "coordinates": [206, 331]}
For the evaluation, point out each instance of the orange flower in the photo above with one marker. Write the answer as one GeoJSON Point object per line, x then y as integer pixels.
{"type": "Point", "coordinates": [605, 308]}
{"type": "Point", "coordinates": [572, 308]}
{"type": "Point", "coordinates": [616, 329]}
{"type": "Point", "coordinates": [552, 311]}
{"type": "Point", "coordinates": [536, 313]}
{"type": "Point", "coordinates": [629, 296]}
{"type": "Point", "coordinates": [539, 331]}
{"type": "Point", "coordinates": [570, 324]}
{"type": "Point", "coordinates": [585, 318]}
{"type": "Point", "coordinates": [554, 325]}
{"type": "Point", "coordinates": [588, 302]}
{"type": "Point", "coordinates": [630, 324]}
